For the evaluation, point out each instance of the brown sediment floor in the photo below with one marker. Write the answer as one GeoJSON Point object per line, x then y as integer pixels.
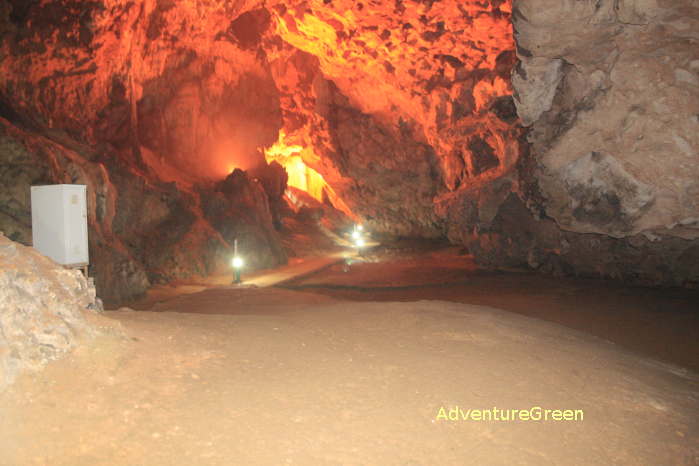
{"type": "Point", "coordinates": [661, 323]}
{"type": "Point", "coordinates": [273, 376]}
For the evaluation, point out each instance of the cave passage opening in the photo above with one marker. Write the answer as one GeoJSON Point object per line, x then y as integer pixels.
{"type": "Point", "coordinates": [499, 186]}
{"type": "Point", "coordinates": [388, 115]}
{"type": "Point", "coordinates": [178, 116]}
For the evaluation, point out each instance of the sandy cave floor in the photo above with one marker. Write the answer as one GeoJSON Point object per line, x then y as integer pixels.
{"type": "Point", "coordinates": [278, 376]}
{"type": "Point", "coordinates": [661, 323]}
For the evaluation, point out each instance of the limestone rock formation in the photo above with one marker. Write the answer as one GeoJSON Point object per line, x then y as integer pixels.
{"type": "Point", "coordinates": [403, 103]}
{"type": "Point", "coordinates": [617, 141]}
{"type": "Point", "coordinates": [142, 230]}
{"type": "Point", "coordinates": [42, 309]}
{"type": "Point", "coordinates": [116, 96]}
{"type": "Point", "coordinates": [609, 91]}
{"type": "Point", "coordinates": [428, 119]}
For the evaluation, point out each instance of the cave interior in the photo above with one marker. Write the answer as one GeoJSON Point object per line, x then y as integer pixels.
{"type": "Point", "coordinates": [544, 144]}
{"type": "Point", "coordinates": [529, 142]}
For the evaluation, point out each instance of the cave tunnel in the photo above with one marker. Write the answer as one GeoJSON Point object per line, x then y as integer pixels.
{"type": "Point", "coordinates": [352, 232]}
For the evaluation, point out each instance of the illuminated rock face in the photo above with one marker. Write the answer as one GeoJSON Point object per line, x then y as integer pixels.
{"type": "Point", "coordinates": [406, 104]}
{"type": "Point", "coordinates": [148, 103]}
{"type": "Point", "coordinates": [399, 113]}
{"type": "Point", "coordinates": [163, 82]}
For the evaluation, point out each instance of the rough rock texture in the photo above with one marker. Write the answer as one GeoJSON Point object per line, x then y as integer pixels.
{"type": "Point", "coordinates": [142, 229]}
{"type": "Point", "coordinates": [616, 135]}
{"type": "Point", "coordinates": [408, 110]}
{"type": "Point", "coordinates": [132, 100]}
{"type": "Point", "coordinates": [42, 309]}
{"type": "Point", "coordinates": [154, 79]}
{"type": "Point", "coordinates": [402, 103]}
{"type": "Point", "coordinates": [240, 208]}
{"type": "Point", "coordinates": [607, 184]}
{"type": "Point", "coordinates": [609, 91]}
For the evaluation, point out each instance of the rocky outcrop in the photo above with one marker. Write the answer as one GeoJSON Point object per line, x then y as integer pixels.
{"type": "Point", "coordinates": [609, 91]}
{"type": "Point", "coordinates": [395, 178]}
{"type": "Point", "coordinates": [42, 309]}
{"type": "Point", "coordinates": [615, 134]}
{"type": "Point", "coordinates": [239, 208]}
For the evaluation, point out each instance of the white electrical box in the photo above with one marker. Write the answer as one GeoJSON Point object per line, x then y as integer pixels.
{"type": "Point", "coordinates": [59, 223]}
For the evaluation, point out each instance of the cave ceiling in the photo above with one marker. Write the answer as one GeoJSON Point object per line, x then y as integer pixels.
{"type": "Point", "coordinates": [398, 103]}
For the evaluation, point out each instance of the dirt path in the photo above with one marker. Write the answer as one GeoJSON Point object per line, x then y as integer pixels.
{"type": "Point", "coordinates": [296, 269]}
{"type": "Point", "coordinates": [278, 377]}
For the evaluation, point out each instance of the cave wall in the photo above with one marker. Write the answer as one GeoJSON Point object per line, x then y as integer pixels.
{"type": "Point", "coordinates": [609, 92]}
{"type": "Point", "coordinates": [165, 83]}
{"type": "Point", "coordinates": [407, 105]}
{"type": "Point", "coordinates": [148, 103]}
{"type": "Point", "coordinates": [583, 160]}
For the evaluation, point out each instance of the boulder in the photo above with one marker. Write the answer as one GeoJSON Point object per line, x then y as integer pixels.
{"type": "Point", "coordinates": [43, 309]}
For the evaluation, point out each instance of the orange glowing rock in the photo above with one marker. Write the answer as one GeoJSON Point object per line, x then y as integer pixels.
{"type": "Point", "coordinates": [435, 69]}
{"type": "Point", "coordinates": [190, 90]}
{"type": "Point", "coordinates": [301, 176]}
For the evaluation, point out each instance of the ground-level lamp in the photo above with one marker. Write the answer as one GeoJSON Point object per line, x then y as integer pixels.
{"type": "Point", "coordinates": [359, 243]}
{"type": "Point", "coordinates": [358, 238]}
{"type": "Point", "coordinates": [357, 232]}
{"type": "Point", "coordinates": [237, 262]}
